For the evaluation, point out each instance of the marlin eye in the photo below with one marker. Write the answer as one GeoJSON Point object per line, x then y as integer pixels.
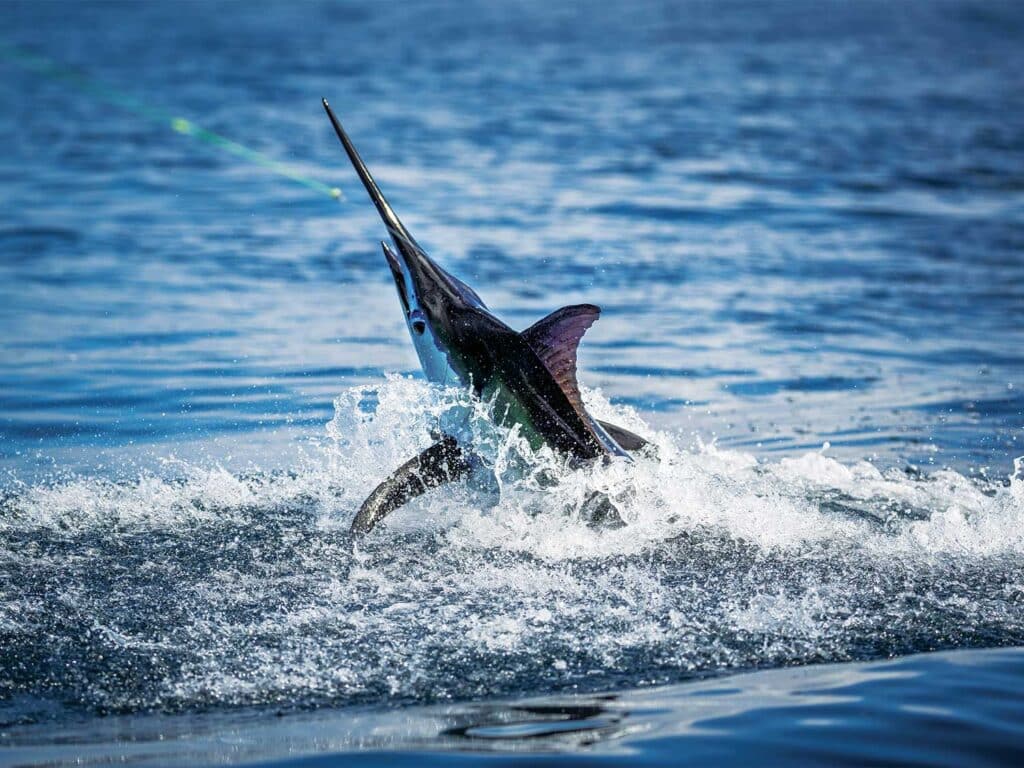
{"type": "Point", "coordinates": [417, 322]}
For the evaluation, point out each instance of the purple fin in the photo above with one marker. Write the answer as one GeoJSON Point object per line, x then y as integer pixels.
{"type": "Point", "coordinates": [555, 339]}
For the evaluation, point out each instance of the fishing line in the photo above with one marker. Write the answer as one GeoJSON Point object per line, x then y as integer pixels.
{"type": "Point", "coordinates": [51, 69]}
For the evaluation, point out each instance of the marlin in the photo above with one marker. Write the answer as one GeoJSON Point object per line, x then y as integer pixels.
{"type": "Point", "coordinates": [529, 377]}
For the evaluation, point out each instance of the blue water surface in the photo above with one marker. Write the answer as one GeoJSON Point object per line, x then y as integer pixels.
{"type": "Point", "coordinates": [804, 223]}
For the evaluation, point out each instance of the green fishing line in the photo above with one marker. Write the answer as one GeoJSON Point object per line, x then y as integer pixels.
{"type": "Point", "coordinates": [43, 66]}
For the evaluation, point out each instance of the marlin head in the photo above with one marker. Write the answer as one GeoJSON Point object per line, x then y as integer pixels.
{"type": "Point", "coordinates": [431, 298]}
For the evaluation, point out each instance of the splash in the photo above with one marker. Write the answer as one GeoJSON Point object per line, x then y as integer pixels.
{"type": "Point", "coordinates": [198, 588]}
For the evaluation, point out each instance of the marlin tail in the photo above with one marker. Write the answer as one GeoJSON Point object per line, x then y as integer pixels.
{"type": "Point", "coordinates": [529, 376]}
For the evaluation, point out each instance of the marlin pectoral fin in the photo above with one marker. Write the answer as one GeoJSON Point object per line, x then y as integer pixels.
{"type": "Point", "coordinates": [627, 440]}
{"type": "Point", "coordinates": [441, 463]}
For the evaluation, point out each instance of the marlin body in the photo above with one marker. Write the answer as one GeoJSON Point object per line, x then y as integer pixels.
{"type": "Point", "coordinates": [529, 377]}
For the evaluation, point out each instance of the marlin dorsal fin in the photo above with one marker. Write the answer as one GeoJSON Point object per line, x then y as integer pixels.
{"type": "Point", "coordinates": [555, 339]}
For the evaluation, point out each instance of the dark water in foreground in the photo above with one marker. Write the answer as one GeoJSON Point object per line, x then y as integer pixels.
{"type": "Point", "coordinates": [880, 713]}
{"type": "Point", "coordinates": [805, 227]}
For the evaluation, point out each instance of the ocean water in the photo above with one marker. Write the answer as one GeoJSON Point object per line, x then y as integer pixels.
{"type": "Point", "coordinates": [804, 224]}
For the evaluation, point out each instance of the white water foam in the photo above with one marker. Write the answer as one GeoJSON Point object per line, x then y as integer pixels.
{"type": "Point", "coordinates": [213, 588]}
{"type": "Point", "coordinates": [767, 504]}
